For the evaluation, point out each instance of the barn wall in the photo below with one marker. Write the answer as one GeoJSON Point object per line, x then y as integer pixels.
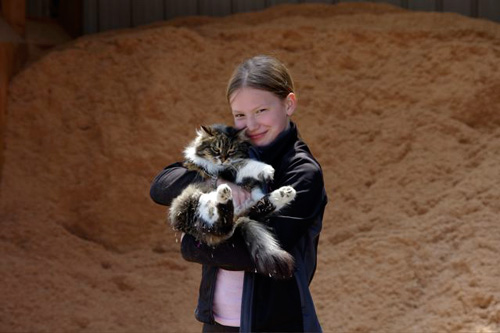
{"type": "Point", "coordinates": [101, 15]}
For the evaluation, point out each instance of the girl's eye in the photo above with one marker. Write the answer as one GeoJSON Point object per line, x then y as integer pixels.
{"type": "Point", "coordinates": [236, 116]}
{"type": "Point", "coordinates": [261, 110]}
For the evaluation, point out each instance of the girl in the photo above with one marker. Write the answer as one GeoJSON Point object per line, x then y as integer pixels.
{"type": "Point", "coordinates": [232, 297]}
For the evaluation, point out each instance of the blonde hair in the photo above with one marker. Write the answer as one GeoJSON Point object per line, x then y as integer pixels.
{"type": "Point", "coordinates": [261, 72]}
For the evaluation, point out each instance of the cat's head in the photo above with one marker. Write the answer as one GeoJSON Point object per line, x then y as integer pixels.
{"type": "Point", "coordinates": [220, 145]}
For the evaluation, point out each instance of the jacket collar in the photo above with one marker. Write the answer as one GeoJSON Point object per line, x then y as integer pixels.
{"type": "Point", "coordinates": [274, 151]}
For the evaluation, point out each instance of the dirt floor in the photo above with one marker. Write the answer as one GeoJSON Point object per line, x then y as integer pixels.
{"type": "Point", "coordinates": [402, 109]}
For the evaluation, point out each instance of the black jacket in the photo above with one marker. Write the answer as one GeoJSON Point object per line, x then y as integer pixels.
{"type": "Point", "coordinates": [268, 304]}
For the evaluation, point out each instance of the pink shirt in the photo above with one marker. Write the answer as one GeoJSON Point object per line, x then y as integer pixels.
{"type": "Point", "coordinates": [227, 298]}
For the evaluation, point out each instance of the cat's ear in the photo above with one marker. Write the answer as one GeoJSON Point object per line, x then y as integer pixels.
{"type": "Point", "coordinates": [207, 130]}
{"type": "Point", "coordinates": [241, 133]}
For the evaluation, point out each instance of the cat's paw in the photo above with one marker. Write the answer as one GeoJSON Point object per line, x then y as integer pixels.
{"type": "Point", "coordinates": [266, 174]}
{"type": "Point", "coordinates": [282, 196]}
{"type": "Point", "coordinates": [224, 193]}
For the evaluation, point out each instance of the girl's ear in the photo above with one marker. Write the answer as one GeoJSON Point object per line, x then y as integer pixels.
{"type": "Point", "coordinates": [290, 104]}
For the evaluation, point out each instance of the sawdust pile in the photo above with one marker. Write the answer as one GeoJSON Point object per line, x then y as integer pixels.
{"type": "Point", "coordinates": [401, 108]}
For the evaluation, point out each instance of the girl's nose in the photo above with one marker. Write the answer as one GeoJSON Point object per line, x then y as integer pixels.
{"type": "Point", "coordinates": [251, 124]}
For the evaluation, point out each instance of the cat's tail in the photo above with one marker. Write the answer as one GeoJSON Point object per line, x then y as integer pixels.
{"type": "Point", "coordinates": [266, 252]}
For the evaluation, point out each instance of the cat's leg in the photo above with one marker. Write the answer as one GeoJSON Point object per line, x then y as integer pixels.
{"type": "Point", "coordinates": [216, 215]}
{"type": "Point", "coordinates": [208, 202]}
{"type": "Point", "coordinates": [268, 256]}
{"type": "Point", "coordinates": [251, 177]}
{"type": "Point", "coordinates": [224, 194]}
{"type": "Point", "coordinates": [225, 208]}
{"type": "Point", "coordinates": [255, 171]}
{"type": "Point", "coordinates": [270, 203]}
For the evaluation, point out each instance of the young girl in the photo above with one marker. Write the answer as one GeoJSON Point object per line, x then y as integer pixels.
{"type": "Point", "coordinates": [232, 296]}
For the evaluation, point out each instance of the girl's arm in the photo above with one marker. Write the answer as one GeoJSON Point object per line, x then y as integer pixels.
{"type": "Point", "coordinates": [170, 182]}
{"type": "Point", "coordinates": [293, 221]}
{"type": "Point", "coordinates": [231, 255]}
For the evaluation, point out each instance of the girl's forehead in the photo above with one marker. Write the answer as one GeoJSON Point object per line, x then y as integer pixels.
{"type": "Point", "coordinates": [247, 98]}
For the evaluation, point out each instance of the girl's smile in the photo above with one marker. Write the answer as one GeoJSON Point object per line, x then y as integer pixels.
{"type": "Point", "coordinates": [263, 114]}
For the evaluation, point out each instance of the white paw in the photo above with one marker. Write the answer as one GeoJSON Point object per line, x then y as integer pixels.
{"type": "Point", "coordinates": [224, 193]}
{"type": "Point", "coordinates": [267, 173]}
{"type": "Point", "coordinates": [282, 196]}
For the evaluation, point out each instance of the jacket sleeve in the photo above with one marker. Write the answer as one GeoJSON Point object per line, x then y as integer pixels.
{"type": "Point", "coordinates": [293, 221]}
{"type": "Point", "coordinates": [170, 182]}
{"type": "Point", "coordinates": [231, 255]}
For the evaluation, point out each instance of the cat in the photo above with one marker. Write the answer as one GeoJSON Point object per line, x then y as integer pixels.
{"type": "Point", "coordinates": [209, 214]}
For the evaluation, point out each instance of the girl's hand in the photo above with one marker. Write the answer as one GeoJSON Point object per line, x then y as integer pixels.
{"type": "Point", "coordinates": [240, 195]}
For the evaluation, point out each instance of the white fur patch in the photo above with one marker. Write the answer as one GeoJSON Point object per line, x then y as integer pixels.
{"type": "Point", "coordinates": [256, 170]}
{"type": "Point", "coordinates": [207, 207]}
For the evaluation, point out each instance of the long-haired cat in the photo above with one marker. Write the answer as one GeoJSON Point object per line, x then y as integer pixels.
{"type": "Point", "coordinates": [209, 214]}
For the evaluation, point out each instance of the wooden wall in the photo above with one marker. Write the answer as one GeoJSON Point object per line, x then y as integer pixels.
{"type": "Point", "coordinates": [91, 16]}
{"type": "Point", "coordinates": [13, 53]}
{"type": "Point", "coordinates": [101, 15]}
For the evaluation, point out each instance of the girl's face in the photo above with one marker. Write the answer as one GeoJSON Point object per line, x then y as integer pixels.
{"type": "Point", "coordinates": [263, 114]}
